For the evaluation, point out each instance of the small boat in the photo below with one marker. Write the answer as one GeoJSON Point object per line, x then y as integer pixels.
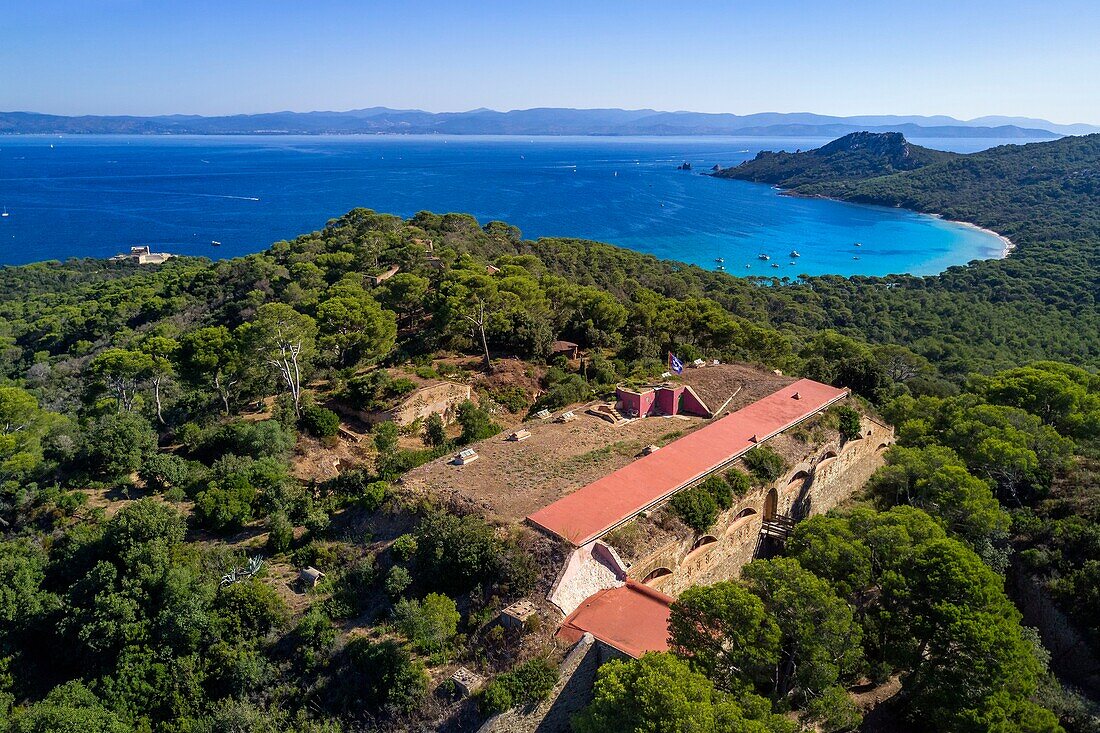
{"type": "Point", "coordinates": [747, 266]}
{"type": "Point", "coordinates": [762, 257]}
{"type": "Point", "coordinates": [794, 253]}
{"type": "Point", "coordinates": [5, 214]}
{"type": "Point", "coordinates": [793, 262]}
{"type": "Point", "coordinates": [720, 268]}
{"type": "Point", "coordinates": [856, 257]}
{"type": "Point", "coordinates": [719, 260]}
{"type": "Point", "coordinates": [775, 264]}
{"type": "Point", "coordinates": [859, 244]}
{"type": "Point", "coordinates": [215, 243]}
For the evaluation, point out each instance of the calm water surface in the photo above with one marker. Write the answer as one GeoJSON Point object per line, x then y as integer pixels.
{"type": "Point", "coordinates": [77, 196]}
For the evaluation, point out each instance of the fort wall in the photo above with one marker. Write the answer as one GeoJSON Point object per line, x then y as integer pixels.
{"type": "Point", "coordinates": [814, 485]}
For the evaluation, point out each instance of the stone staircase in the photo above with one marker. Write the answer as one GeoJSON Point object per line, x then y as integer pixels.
{"type": "Point", "coordinates": [608, 412]}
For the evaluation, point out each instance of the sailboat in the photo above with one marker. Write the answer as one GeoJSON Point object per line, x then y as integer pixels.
{"type": "Point", "coordinates": [5, 214]}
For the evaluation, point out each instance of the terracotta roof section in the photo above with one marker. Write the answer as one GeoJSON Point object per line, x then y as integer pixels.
{"type": "Point", "coordinates": [606, 503]}
{"type": "Point", "coordinates": [633, 618]}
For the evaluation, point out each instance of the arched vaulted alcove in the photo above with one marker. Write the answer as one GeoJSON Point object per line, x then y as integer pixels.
{"type": "Point", "coordinates": [771, 504]}
{"type": "Point", "coordinates": [656, 576]}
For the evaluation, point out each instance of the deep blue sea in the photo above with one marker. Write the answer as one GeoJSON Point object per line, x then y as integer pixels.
{"type": "Point", "coordinates": [77, 196]}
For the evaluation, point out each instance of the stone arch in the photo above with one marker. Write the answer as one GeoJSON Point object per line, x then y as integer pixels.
{"type": "Point", "coordinates": [656, 575]}
{"type": "Point", "coordinates": [707, 539]}
{"type": "Point", "coordinates": [701, 545]}
{"type": "Point", "coordinates": [829, 454]}
{"type": "Point", "coordinates": [771, 504]}
{"type": "Point", "coordinates": [801, 476]}
{"type": "Point", "coordinates": [882, 446]}
{"type": "Point", "coordinates": [740, 520]}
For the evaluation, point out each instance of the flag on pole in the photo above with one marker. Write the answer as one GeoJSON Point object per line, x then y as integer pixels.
{"type": "Point", "coordinates": [674, 364]}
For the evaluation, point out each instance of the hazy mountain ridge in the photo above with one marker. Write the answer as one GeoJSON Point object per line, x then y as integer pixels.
{"type": "Point", "coordinates": [536, 121]}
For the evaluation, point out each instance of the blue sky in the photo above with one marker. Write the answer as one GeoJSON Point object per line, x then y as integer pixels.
{"type": "Point", "coordinates": [964, 58]}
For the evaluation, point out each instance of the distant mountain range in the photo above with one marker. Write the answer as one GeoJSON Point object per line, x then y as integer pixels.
{"type": "Point", "coordinates": [539, 121]}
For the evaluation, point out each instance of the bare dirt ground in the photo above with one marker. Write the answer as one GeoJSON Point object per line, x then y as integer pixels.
{"type": "Point", "coordinates": [315, 461]}
{"type": "Point", "coordinates": [510, 480]}
{"type": "Point", "coordinates": [715, 385]}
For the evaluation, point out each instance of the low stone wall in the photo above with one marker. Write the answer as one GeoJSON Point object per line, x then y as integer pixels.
{"type": "Point", "coordinates": [572, 693]}
{"type": "Point", "coordinates": [442, 399]}
{"type": "Point", "coordinates": [813, 486]}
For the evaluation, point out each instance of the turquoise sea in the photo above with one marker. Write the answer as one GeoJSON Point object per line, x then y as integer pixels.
{"type": "Point", "coordinates": [77, 196]}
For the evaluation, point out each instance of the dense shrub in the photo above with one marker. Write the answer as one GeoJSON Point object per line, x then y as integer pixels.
{"type": "Point", "coordinates": [320, 422]}
{"type": "Point", "coordinates": [834, 711]}
{"type": "Point", "coordinates": [280, 532]}
{"type": "Point", "coordinates": [165, 471]}
{"type": "Point", "coordinates": [453, 554]}
{"type": "Point", "coordinates": [249, 609]}
{"type": "Point", "coordinates": [562, 389]}
{"type": "Point", "coordinates": [383, 676]}
{"type": "Point", "coordinates": [739, 483]}
{"type": "Point", "coordinates": [377, 390]}
{"type": "Point", "coordinates": [527, 684]}
{"type": "Point", "coordinates": [476, 423]}
{"type": "Point", "coordinates": [848, 422]}
{"type": "Point", "coordinates": [385, 435]}
{"type": "Point", "coordinates": [696, 507]}
{"type": "Point", "coordinates": [764, 463]}
{"type": "Point", "coordinates": [226, 505]}
{"type": "Point", "coordinates": [115, 445]}
{"type": "Point", "coordinates": [717, 487]}
{"type": "Point", "coordinates": [390, 467]}
{"type": "Point", "coordinates": [512, 398]}
{"type": "Point", "coordinates": [404, 547]}
{"type": "Point", "coordinates": [248, 438]}
{"type": "Point", "coordinates": [352, 590]}
{"type": "Point", "coordinates": [397, 581]}
{"type": "Point", "coordinates": [435, 433]}
{"type": "Point", "coordinates": [429, 624]}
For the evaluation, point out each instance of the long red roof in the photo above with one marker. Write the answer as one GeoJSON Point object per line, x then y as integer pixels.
{"type": "Point", "coordinates": [594, 510]}
{"type": "Point", "coordinates": [633, 618]}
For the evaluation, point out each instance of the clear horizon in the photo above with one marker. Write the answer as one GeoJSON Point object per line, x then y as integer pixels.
{"type": "Point", "coordinates": [134, 57]}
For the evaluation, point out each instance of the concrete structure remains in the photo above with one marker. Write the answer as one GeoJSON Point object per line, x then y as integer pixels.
{"type": "Point", "coordinates": [568, 349]}
{"type": "Point", "coordinates": [467, 682]}
{"type": "Point", "coordinates": [310, 577]}
{"type": "Point", "coordinates": [142, 256]}
{"type": "Point", "coordinates": [382, 277]}
{"type": "Point", "coordinates": [666, 399]}
{"type": "Point", "coordinates": [517, 614]}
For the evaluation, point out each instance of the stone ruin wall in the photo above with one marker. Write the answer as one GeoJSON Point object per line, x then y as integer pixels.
{"type": "Point", "coordinates": [443, 399]}
{"type": "Point", "coordinates": [821, 481]}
